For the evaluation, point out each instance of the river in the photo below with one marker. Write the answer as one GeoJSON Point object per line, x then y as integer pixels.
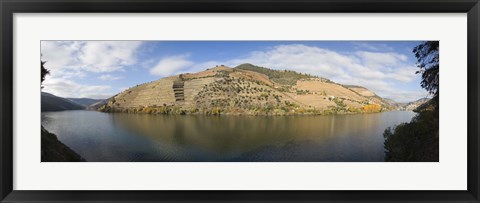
{"type": "Point", "coordinates": [122, 137]}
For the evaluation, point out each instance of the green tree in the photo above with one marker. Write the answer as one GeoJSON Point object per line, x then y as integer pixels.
{"type": "Point", "coordinates": [44, 72]}
{"type": "Point", "coordinates": [427, 54]}
{"type": "Point", "coordinates": [414, 141]}
{"type": "Point", "coordinates": [418, 139]}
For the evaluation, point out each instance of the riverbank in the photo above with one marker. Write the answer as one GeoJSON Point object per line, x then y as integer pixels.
{"type": "Point", "coordinates": [256, 111]}
{"type": "Point", "coordinates": [55, 151]}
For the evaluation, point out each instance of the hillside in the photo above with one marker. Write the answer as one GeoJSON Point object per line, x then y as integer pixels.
{"type": "Point", "coordinates": [282, 77]}
{"type": "Point", "coordinates": [97, 104]}
{"type": "Point", "coordinates": [84, 101]}
{"type": "Point", "coordinates": [53, 150]}
{"type": "Point", "coordinates": [419, 104]}
{"type": "Point", "coordinates": [51, 102]}
{"type": "Point", "coordinates": [244, 90]}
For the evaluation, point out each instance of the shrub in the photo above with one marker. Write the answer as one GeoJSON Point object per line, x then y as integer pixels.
{"type": "Point", "coordinates": [372, 108]}
{"type": "Point", "coordinates": [414, 141]}
{"type": "Point", "coordinates": [215, 111]}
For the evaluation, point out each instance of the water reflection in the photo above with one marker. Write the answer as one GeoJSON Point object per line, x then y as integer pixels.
{"type": "Point", "coordinates": [139, 137]}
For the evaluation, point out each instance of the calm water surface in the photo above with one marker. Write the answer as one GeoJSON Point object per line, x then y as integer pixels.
{"type": "Point", "coordinates": [119, 137]}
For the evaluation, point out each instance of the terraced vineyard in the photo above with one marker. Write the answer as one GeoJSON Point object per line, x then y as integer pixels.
{"type": "Point", "coordinates": [245, 90]}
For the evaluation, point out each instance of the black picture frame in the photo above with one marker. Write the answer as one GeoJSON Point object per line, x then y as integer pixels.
{"type": "Point", "coordinates": [10, 7]}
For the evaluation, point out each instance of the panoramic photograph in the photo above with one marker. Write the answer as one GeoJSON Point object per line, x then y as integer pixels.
{"type": "Point", "coordinates": [239, 101]}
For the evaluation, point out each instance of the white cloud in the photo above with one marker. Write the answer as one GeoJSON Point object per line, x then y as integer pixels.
{"type": "Point", "coordinates": [68, 88]}
{"type": "Point", "coordinates": [404, 74]}
{"type": "Point", "coordinates": [147, 63]}
{"type": "Point", "coordinates": [330, 64]}
{"type": "Point", "coordinates": [374, 66]}
{"type": "Point", "coordinates": [59, 54]}
{"type": "Point", "coordinates": [380, 72]}
{"type": "Point", "coordinates": [380, 59]}
{"type": "Point", "coordinates": [306, 59]}
{"type": "Point", "coordinates": [171, 65]}
{"type": "Point", "coordinates": [109, 77]}
{"type": "Point", "coordinates": [406, 96]}
{"type": "Point", "coordinates": [70, 60]}
{"type": "Point", "coordinates": [108, 56]}
{"type": "Point", "coordinates": [88, 56]}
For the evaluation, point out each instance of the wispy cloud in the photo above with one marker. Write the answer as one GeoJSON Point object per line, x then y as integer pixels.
{"type": "Point", "coordinates": [379, 60]}
{"type": "Point", "coordinates": [89, 56]}
{"type": "Point", "coordinates": [109, 77]}
{"type": "Point", "coordinates": [171, 65]}
{"type": "Point", "coordinates": [68, 88]}
{"type": "Point", "coordinates": [373, 65]}
{"type": "Point", "coordinates": [71, 60]}
{"type": "Point", "coordinates": [379, 71]}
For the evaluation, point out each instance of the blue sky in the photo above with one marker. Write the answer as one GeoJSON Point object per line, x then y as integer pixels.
{"type": "Point", "coordinates": [100, 69]}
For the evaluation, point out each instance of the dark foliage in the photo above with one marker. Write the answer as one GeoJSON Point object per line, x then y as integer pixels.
{"type": "Point", "coordinates": [55, 151]}
{"type": "Point", "coordinates": [414, 141]}
{"type": "Point", "coordinates": [418, 140]}
{"type": "Point", "coordinates": [427, 55]}
{"type": "Point", "coordinates": [52, 150]}
{"type": "Point", "coordinates": [284, 77]}
{"type": "Point", "coordinates": [44, 71]}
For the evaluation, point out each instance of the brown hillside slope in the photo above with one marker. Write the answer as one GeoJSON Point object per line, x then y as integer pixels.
{"type": "Point", "coordinates": [224, 90]}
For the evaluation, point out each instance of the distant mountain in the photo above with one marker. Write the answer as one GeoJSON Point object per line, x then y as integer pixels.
{"type": "Point", "coordinates": [84, 101]}
{"type": "Point", "coordinates": [97, 104]}
{"type": "Point", "coordinates": [245, 89]}
{"type": "Point", "coordinates": [412, 106]}
{"type": "Point", "coordinates": [395, 105]}
{"type": "Point", "coordinates": [391, 101]}
{"type": "Point", "coordinates": [408, 106]}
{"type": "Point", "coordinates": [51, 102]}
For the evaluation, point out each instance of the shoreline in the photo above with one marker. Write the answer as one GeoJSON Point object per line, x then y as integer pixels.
{"type": "Point", "coordinates": [251, 114]}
